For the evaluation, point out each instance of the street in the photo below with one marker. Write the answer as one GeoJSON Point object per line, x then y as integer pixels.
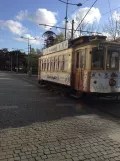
{"type": "Point", "coordinates": [38, 125]}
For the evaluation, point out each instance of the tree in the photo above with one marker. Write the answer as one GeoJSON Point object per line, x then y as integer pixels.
{"type": "Point", "coordinates": [59, 38]}
{"type": "Point", "coordinates": [39, 51]}
{"type": "Point", "coordinates": [112, 27]}
{"type": "Point", "coordinates": [32, 51]}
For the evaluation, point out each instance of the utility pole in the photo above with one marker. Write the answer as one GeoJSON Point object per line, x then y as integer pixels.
{"type": "Point", "coordinates": [17, 61]}
{"type": "Point", "coordinates": [11, 62]}
{"type": "Point", "coordinates": [28, 45]}
{"type": "Point", "coordinates": [30, 49]}
{"type": "Point", "coordinates": [72, 29]}
{"type": "Point", "coordinates": [66, 19]}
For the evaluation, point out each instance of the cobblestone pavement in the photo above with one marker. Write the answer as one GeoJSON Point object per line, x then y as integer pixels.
{"type": "Point", "coordinates": [36, 125]}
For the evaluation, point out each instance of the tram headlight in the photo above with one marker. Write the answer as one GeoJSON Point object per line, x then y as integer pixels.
{"type": "Point", "coordinates": [112, 82]}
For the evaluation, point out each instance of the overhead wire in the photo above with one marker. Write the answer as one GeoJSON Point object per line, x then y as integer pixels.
{"type": "Point", "coordinates": [106, 13]}
{"type": "Point", "coordinates": [86, 14]}
{"type": "Point", "coordinates": [72, 12]}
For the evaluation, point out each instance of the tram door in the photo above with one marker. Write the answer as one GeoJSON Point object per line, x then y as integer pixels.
{"type": "Point", "coordinates": [79, 70]}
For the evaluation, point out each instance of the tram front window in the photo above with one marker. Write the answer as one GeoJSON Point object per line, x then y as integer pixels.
{"type": "Point", "coordinates": [97, 59]}
{"type": "Point", "coordinates": [113, 55]}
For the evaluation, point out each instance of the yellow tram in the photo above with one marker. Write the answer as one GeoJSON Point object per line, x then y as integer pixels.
{"type": "Point", "coordinates": [88, 64]}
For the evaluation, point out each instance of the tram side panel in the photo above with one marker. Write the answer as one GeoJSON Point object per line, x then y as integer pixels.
{"type": "Point", "coordinates": [57, 68]}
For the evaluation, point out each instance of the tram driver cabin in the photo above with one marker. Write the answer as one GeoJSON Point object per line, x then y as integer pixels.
{"type": "Point", "coordinates": [88, 64]}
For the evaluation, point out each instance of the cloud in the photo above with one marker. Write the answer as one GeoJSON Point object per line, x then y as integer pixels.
{"type": "Point", "coordinates": [93, 16]}
{"type": "Point", "coordinates": [116, 16]}
{"type": "Point", "coordinates": [42, 16]}
{"type": "Point", "coordinates": [13, 26]}
{"type": "Point", "coordinates": [33, 41]}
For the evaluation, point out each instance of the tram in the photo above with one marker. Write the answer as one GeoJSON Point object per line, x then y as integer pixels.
{"type": "Point", "coordinates": [88, 64]}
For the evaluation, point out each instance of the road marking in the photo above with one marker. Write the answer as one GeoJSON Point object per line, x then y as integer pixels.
{"type": "Point", "coordinates": [8, 107]}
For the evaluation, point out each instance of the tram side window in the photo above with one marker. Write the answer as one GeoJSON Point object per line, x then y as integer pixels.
{"type": "Point", "coordinates": [51, 64]}
{"type": "Point", "coordinates": [113, 58]}
{"type": "Point", "coordinates": [45, 65]}
{"type": "Point", "coordinates": [97, 59]}
{"type": "Point", "coordinates": [66, 64]}
{"type": "Point", "coordinates": [42, 65]}
{"type": "Point", "coordinates": [56, 63]}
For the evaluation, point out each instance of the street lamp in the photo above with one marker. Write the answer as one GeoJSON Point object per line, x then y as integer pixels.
{"type": "Point", "coordinates": [66, 18]}
{"type": "Point", "coordinates": [28, 41]}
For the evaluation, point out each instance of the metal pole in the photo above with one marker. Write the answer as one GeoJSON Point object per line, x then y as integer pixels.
{"type": "Point", "coordinates": [11, 62]}
{"type": "Point", "coordinates": [72, 29]}
{"type": "Point", "coordinates": [17, 62]}
{"type": "Point", "coordinates": [28, 56]}
{"type": "Point", "coordinates": [28, 46]}
{"type": "Point", "coordinates": [66, 20]}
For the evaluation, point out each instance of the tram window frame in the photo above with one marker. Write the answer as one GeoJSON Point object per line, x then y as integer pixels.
{"type": "Point", "coordinates": [66, 59]}
{"type": "Point", "coordinates": [117, 63]}
{"type": "Point", "coordinates": [56, 63]}
{"type": "Point", "coordinates": [42, 64]}
{"type": "Point", "coordinates": [45, 65]}
{"type": "Point", "coordinates": [50, 64]}
{"type": "Point", "coordinates": [59, 63]}
{"type": "Point", "coordinates": [102, 63]}
{"type": "Point", "coordinates": [77, 59]}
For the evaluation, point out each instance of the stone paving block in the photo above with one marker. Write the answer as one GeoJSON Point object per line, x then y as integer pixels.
{"type": "Point", "coordinates": [75, 159]}
{"type": "Point", "coordinates": [10, 159]}
{"type": "Point", "coordinates": [2, 157]}
{"type": "Point", "coordinates": [31, 159]}
{"type": "Point", "coordinates": [44, 157]}
{"type": "Point", "coordinates": [63, 136]}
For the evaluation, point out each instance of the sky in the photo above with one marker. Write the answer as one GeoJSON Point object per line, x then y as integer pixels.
{"type": "Point", "coordinates": [22, 17]}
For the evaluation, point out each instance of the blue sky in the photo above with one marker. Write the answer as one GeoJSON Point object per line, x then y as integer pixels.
{"type": "Point", "coordinates": [21, 17]}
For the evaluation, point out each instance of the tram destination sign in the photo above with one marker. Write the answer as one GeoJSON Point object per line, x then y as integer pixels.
{"type": "Point", "coordinates": [58, 47]}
